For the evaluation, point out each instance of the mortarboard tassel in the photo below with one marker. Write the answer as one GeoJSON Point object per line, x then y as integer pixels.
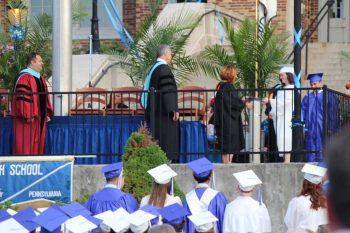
{"type": "Point", "coordinates": [213, 183]}
{"type": "Point", "coordinates": [172, 187]}
{"type": "Point", "coordinates": [120, 179]}
{"type": "Point", "coordinates": [260, 196]}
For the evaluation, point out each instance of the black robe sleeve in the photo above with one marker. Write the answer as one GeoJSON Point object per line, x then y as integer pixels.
{"type": "Point", "coordinates": [167, 86]}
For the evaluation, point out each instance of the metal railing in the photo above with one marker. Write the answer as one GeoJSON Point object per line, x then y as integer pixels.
{"type": "Point", "coordinates": [311, 29]}
{"type": "Point", "coordinates": [99, 123]}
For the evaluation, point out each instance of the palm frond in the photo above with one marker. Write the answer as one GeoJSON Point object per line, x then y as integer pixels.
{"type": "Point", "coordinates": [268, 50]}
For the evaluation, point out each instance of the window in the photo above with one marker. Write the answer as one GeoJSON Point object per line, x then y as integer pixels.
{"type": "Point", "coordinates": [337, 11]}
{"type": "Point", "coordinates": [106, 29]}
{"type": "Point", "coordinates": [82, 30]}
{"type": "Point", "coordinates": [38, 7]}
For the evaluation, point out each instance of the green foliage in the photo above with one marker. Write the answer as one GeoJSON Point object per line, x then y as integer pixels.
{"type": "Point", "coordinates": [142, 54]}
{"type": "Point", "coordinates": [8, 205]}
{"type": "Point", "coordinates": [16, 4]}
{"type": "Point", "coordinates": [84, 198]}
{"type": "Point", "coordinates": [141, 154]}
{"type": "Point", "coordinates": [38, 38]}
{"type": "Point", "coordinates": [268, 51]}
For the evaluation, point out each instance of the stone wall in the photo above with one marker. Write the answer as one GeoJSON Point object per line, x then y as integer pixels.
{"type": "Point", "coordinates": [281, 183]}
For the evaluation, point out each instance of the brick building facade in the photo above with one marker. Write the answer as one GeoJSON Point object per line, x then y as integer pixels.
{"type": "Point", "coordinates": [134, 11]}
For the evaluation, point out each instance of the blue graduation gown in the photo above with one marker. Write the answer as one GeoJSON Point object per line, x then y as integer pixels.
{"type": "Point", "coordinates": [111, 199]}
{"type": "Point", "coordinates": [217, 207]}
{"type": "Point", "coordinates": [312, 110]}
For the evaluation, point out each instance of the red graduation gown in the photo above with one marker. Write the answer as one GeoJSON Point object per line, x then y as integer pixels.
{"type": "Point", "coordinates": [29, 137]}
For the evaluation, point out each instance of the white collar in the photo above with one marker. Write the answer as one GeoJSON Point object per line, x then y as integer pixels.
{"type": "Point", "coordinates": [202, 185]}
{"type": "Point", "coordinates": [162, 60]}
{"type": "Point", "coordinates": [111, 186]}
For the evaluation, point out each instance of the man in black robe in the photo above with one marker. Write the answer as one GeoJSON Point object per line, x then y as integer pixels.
{"type": "Point", "coordinates": [165, 112]}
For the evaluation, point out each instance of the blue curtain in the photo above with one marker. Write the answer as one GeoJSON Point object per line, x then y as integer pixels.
{"type": "Point", "coordinates": [103, 136]}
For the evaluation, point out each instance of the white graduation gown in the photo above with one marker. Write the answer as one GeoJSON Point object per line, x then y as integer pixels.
{"type": "Point", "coordinates": [245, 214]}
{"type": "Point", "coordinates": [300, 216]}
{"type": "Point", "coordinates": [281, 110]}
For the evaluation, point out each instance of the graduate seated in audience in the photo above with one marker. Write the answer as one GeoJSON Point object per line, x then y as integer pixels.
{"type": "Point", "coordinates": [244, 214]}
{"type": "Point", "coordinates": [162, 190]}
{"type": "Point", "coordinates": [140, 221]}
{"type": "Point", "coordinates": [164, 228]}
{"type": "Point", "coordinates": [204, 222]}
{"type": "Point", "coordinates": [338, 201]}
{"type": "Point", "coordinates": [308, 211]}
{"type": "Point", "coordinates": [203, 198]}
{"type": "Point", "coordinates": [174, 215]}
{"type": "Point", "coordinates": [111, 197]}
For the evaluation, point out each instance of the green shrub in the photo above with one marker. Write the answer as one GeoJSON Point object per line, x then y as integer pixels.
{"type": "Point", "coordinates": [141, 154]}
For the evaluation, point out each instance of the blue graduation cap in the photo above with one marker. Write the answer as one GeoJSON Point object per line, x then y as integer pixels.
{"type": "Point", "coordinates": [150, 209]}
{"type": "Point", "coordinates": [314, 77]}
{"type": "Point", "coordinates": [112, 170]}
{"type": "Point", "coordinates": [75, 209]}
{"type": "Point", "coordinates": [4, 215]}
{"type": "Point", "coordinates": [25, 216]}
{"type": "Point", "coordinates": [201, 167]}
{"type": "Point", "coordinates": [322, 164]}
{"type": "Point", "coordinates": [173, 214]}
{"type": "Point", "coordinates": [51, 219]}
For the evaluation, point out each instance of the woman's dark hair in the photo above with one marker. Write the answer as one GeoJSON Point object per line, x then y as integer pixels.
{"type": "Point", "coordinates": [290, 78]}
{"type": "Point", "coordinates": [202, 179]}
{"type": "Point", "coordinates": [315, 192]}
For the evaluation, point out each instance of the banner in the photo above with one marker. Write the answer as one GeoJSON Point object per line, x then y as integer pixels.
{"type": "Point", "coordinates": [30, 178]}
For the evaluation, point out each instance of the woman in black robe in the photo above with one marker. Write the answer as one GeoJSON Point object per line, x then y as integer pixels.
{"type": "Point", "coordinates": [228, 120]}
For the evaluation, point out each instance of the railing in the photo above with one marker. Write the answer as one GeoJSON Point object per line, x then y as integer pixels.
{"type": "Point", "coordinates": [311, 29]}
{"type": "Point", "coordinates": [99, 123]}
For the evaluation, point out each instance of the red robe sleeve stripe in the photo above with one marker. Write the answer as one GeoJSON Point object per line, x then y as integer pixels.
{"type": "Point", "coordinates": [23, 86]}
{"type": "Point", "coordinates": [24, 99]}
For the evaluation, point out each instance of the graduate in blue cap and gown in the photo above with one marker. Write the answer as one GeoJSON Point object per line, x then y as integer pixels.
{"type": "Point", "coordinates": [111, 197]}
{"type": "Point", "coordinates": [312, 111]}
{"type": "Point", "coordinates": [203, 198]}
{"type": "Point", "coordinates": [174, 215]}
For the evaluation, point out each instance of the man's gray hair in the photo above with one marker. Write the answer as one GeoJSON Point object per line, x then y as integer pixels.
{"type": "Point", "coordinates": [163, 49]}
{"type": "Point", "coordinates": [164, 228]}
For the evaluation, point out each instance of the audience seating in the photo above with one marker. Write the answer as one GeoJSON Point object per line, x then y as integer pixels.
{"type": "Point", "coordinates": [89, 101]}
{"type": "Point", "coordinates": [126, 101]}
{"type": "Point", "coordinates": [192, 102]}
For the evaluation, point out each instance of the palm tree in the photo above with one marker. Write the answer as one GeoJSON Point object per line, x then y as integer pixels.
{"type": "Point", "coordinates": [268, 51]}
{"type": "Point", "coordinates": [142, 54]}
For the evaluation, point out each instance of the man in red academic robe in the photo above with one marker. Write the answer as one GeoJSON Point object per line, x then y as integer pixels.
{"type": "Point", "coordinates": [30, 110]}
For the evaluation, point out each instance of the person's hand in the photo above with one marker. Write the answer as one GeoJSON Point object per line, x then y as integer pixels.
{"type": "Point", "coordinates": [30, 120]}
{"type": "Point", "coordinates": [48, 119]}
{"type": "Point", "coordinates": [176, 116]}
{"type": "Point", "coordinates": [265, 100]}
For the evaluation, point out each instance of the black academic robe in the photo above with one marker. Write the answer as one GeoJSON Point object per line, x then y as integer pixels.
{"type": "Point", "coordinates": [166, 130]}
{"type": "Point", "coordinates": [228, 121]}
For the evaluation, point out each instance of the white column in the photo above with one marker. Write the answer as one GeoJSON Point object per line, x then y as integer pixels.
{"type": "Point", "coordinates": [62, 54]}
{"type": "Point", "coordinates": [255, 130]}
